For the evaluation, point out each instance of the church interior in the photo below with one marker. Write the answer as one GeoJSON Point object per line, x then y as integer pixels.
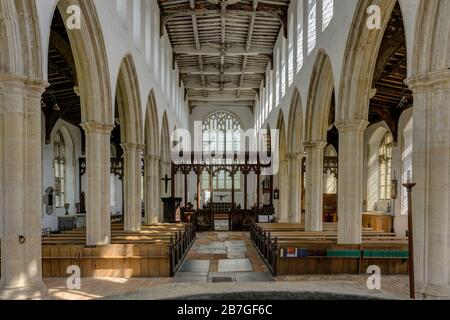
{"type": "Point", "coordinates": [176, 148]}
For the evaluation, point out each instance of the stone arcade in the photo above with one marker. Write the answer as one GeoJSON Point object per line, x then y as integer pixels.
{"type": "Point", "coordinates": [348, 113]}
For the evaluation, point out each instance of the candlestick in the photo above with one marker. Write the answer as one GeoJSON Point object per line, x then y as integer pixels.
{"type": "Point", "coordinates": [409, 186]}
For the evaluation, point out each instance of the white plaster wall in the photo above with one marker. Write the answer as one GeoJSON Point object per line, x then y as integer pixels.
{"type": "Point", "coordinates": [401, 163]}
{"type": "Point", "coordinates": [333, 41]}
{"type": "Point", "coordinates": [119, 41]}
{"type": "Point", "coordinates": [405, 165]}
{"type": "Point", "coordinates": [72, 136]}
{"type": "Point", "coordinates": [372, 139]}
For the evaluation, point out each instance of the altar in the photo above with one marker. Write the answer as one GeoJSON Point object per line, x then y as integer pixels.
{"type": "Point", "coordinates": [70, 222]}
{"type": "Point", "coordinates": [378, 221]}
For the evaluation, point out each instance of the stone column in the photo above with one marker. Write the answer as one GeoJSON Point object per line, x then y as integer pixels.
{"type": "Point", "coordinates": [314, 185]}
{"type": "Point", "coordinates": [350, 182]}
{"type": "Point", "coordinates": [98, 172]}
{"type": "Point", "coordinates": [283, 187]}
{"type": "Point", "coordinates": [431, 169]}
{"type": "Point", "coordinates": [295, 177]}
{"type": "Point", "coordinates": [21, 188]}
{"type": "Point", "coordinates": [152, 190]}
{"type": "Point", "coordinates": [132, 186]}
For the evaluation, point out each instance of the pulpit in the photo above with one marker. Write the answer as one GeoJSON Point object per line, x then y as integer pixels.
{"type": "Point", "coordinates": [172, 209]}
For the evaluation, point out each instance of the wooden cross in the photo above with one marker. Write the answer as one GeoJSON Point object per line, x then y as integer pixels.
{"type": "Point", "coordinates": [166, 179]}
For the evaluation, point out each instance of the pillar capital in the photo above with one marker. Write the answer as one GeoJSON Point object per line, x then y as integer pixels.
{"type": "Point", "coordinates": [150, 158]}
{"type": "Point", "coordinates": [97, 127]}
{"type": "Point", "coordinates": [433, 80]}
{"type": "Point", "coordinates": [23, 80]}
{"type": "Point", "coordinates": [315, 144]}
{"type": "Point", "coordinates": [295, 156]}
{"type": "Point", "coordinates": [132, 147]}
{"type": "Point", "coordinates": [349, 125]}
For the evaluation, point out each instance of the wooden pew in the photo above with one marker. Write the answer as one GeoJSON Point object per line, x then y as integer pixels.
{"type": "Point", "coordinates": [157, 251]}
{"type": "Point", "coordinates": [287, 250]}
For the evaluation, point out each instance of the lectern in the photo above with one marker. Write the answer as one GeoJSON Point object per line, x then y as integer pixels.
{"type": "Point", "coordinates": [172, 209]}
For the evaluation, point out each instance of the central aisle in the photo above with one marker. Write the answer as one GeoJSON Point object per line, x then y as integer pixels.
{"type": "Point", "coordinates": [218, 257]}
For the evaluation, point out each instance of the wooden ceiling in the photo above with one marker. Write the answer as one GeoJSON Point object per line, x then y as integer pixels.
{"type": "Point", "coordinates": [392, 94]}
{"type": "Point", "coordinates": [60, 99]}
{"type": "Point", "coordinates": [223, 47]}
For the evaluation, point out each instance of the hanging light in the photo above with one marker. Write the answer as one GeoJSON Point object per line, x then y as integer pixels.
{"type": "Point", "coordinates": [55, 104]}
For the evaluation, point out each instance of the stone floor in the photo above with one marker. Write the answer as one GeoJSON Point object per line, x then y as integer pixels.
{"type": "Point", "coordinates": [221, 262]}
{"type": "Point", "coordinates": [222, 257]}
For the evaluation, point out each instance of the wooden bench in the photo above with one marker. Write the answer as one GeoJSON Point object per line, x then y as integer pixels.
{"type": "Point", "coordinates": [289, 251]}
{"type": "Point", "coordinates": [157, 251]}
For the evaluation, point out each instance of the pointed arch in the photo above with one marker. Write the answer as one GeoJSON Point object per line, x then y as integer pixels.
{"type": "Point", "coordinates": [129, 102]}
{"type": "Point", "coordinates": [360, 59]}
{"type": "Point", "coordinates": [282, 175]}
{"type": "Point", "coordinates": [319, 99]}
{"type": "Point", "coordinates": [282, 134]}
{"type": "Point", "coordinates": [20, 49]}
{"type": "Point", "coordinates": [152, 179]}
{"type": "Point", "coordinates": [432, 41]}
{"type": "Point", "coordinates": [165, 140]}
{"type": "Point", "coordinates": [91, 63]}
{"type": "Point", "coordinates": [151, 130]}
{"type": "Point", "coordinates": [295, 126]}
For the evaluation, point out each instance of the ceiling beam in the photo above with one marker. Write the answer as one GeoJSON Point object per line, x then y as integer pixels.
{"type": "Point", "coordinates": [223, 27]}
{"type": "Point", "coordinates": [231, 51]}
{"type": "Point", "coordinates": [263, 10]}
{"type": "Point", "coordinates": [221, 104]}
{"type": "Point", "coordinates": [233, 71]}
{"type": "Point", "coordinates": [211, 88]}
{"type": "Point", "coordinates": [197, 42]}
{"type": "Point", "coordinates": [223, 97]}
{"type": "Point", "coordinates": [390, 48]}
{"type": "Point", "coordinates": [248, 45]}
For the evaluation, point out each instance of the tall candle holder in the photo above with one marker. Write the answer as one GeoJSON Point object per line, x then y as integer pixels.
{"type": "Point", "coordinates": [409, 185]}
{"type": "Point", "coordinates": [67, 206]}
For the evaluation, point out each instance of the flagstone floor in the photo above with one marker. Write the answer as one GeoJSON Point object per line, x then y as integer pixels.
{"type": "Point", "coordinates": [221, 262]}
{"type": "Point", "coordinates": [223, 257]}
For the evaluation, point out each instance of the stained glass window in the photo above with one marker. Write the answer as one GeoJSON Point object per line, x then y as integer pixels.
{"type": "Point", "coordinates": [60, 169]}
{"type": "Point", "coordinates": [221, 133]}
{"type": "Point", "coordinates": [385, 154]}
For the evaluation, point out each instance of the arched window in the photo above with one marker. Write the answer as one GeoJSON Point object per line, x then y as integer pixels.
{"type": "Point", "coordinates": [312, 32]}
{"type": "Point", "coordinates": [221, 133]}
{"type": "Point", "coordinates": [385, 156]}
{"type": "Point", "coordinates": [327, 13]}
{"type": "Point", "coordinates": [277, 77]}
{"type": "Point", "coordinates": [291, 51]}
{"type": "Point", "coordinates": [299, 36]}
{"type": "Point", "coordinates": [283, 67]}
{"type": "Point", "coordinates": [59, 148]}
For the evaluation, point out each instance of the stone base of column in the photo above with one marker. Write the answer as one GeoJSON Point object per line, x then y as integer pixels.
{"type": "Point", "coordinates": [36, 291]}
{"type": "Point", "coordinates": [429, 291]}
